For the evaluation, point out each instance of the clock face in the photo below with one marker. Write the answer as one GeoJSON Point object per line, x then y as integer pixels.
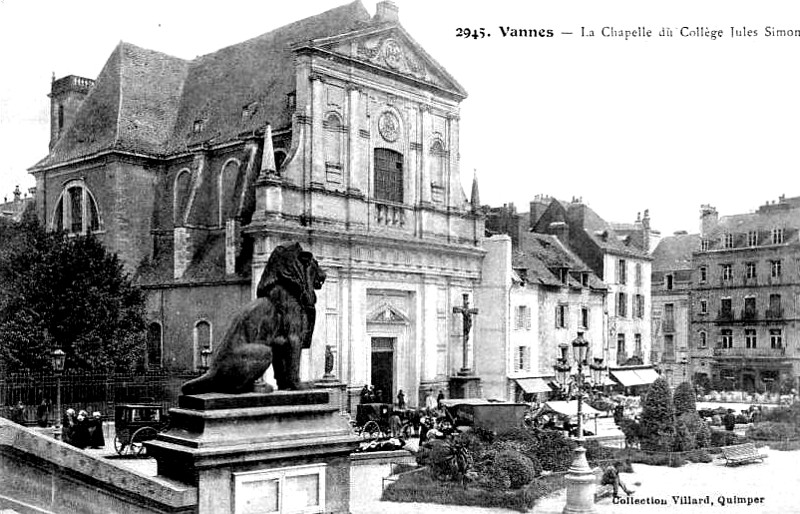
{"type": "Point", "coordinates": [389, 126]}
{"type": "Point", "coordinates": [392, 53]}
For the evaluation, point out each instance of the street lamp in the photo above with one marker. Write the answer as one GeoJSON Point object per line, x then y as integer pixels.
{"type": "Point", "coordinates": [204, 353]}
{"type": "Point", "coordinates": [58, 358]}
{"type": "Point", "coordinates": [580, 477]}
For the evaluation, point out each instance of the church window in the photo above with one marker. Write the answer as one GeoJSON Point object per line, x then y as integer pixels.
{"type": "Point", "coordinates": [388, 175]}
{"type": "Point", "coordinates": [230, 188]}
{"type": "Point", "coordinates": [437, 170]}
{"type": "Point", "coordinates": [334, 134]}
{"type": "Point", "coordinates": [154, 346]}
{"type": "Point", "coordinates": [76, 210]}
{"type": "Point", "coordinates": [181, 194]}
{"type": "Point", "coordinates": [60, 118]}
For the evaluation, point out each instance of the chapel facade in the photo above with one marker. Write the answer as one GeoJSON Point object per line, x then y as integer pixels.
{"type": "Point", "coordinates": [337, 131]}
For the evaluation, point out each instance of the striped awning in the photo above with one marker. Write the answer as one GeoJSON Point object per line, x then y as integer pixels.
{"type": "Point", "coordinates": [634, 377]}
{"type": "Point", "coordinates": [533, 385]}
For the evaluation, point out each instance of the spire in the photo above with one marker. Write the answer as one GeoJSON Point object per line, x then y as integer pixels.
{"type": "Point", "coordinates": [268, 157]}
{"type": "Point", "coordinates": [475, 198]}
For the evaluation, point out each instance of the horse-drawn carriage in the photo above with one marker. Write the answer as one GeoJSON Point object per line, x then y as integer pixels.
{"type": "Point", "coordinates": [136, 423]}
{"type": "Point", "coordinates": [373, 420]}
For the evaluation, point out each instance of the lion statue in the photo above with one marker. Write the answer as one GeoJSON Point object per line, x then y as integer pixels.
{"type": "Point", "coordinates": [271, 330]}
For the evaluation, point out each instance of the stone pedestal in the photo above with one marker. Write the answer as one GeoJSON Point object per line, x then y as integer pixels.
{"type": "Point", "coordinates": [336, 389]}
{"type": "Point", "coordinates": [254, 450]}
{"type": "Point", "coordinates": [465, 386]}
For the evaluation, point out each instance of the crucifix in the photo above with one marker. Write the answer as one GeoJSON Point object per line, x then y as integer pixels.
{"type": "Point", "coordinates": [466, 315]}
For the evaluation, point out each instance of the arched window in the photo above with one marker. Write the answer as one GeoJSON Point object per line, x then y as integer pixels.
{"type": "Point", "coordinates": [333, 139]}
{"type": "Point", "coordinates": [703, 341]}
{"type": "Point", "coordinates": [76, 210]}
{"type": "Point", "coordinates": [202, 340]}
{"type": "Point", "coordinates": [280, 156]}
{"type": "Point", "coordinates": [230, 187]}
{"type": "Point", "coordinates": [437, 171]}
{"type": "Point", "coordinates": [154, 346]}
{"type": "Point", "coordinates": [388, 175]}
{"type": "Point", "coordinates": [181, 195]}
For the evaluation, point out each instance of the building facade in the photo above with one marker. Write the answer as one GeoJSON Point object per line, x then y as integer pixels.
{"type": "Point", "coordinates": [540, 295]}
{"type": "Point", "coordinates": [339, 132]}
{"type": "Point", "coordinates": [617, 261]}
{"type": "Point", "coordinates": [746, 306]}
{"type": "Point", "coordinates": [672, 287]}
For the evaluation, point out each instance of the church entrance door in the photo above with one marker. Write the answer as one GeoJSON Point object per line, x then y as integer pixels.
{"type": "Point", "coordinates": [383, 368]}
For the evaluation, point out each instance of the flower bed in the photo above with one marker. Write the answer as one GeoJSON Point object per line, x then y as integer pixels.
{"type": "Point", "coordinates": [420, 486]}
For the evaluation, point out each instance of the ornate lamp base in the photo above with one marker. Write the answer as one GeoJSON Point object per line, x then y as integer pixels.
{"type": "Point", "coordinates": [581, 484]}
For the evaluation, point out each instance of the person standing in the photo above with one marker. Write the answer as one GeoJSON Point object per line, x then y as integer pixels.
{"type": "Point", "coordinates": [42, 413]}
{"type": "Point", "coordinates": [96, 439]}
{"type": "Point", "coordinates": [439, 399]}
{"type": "Point", "coordinates": [80, 435]}
{"type": "Point", "coordinates": [401, 400]}
{"type": "Point", "coordinates": [18, 413]}
{"type": "Point", "coordinates": [430, 403]}
{"type": "Point", "coordinates": [68, 426]}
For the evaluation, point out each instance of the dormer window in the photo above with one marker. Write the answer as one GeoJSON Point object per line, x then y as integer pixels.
{"type": "Point", "coordinates": [727, 240]}
{"type": "Point", "coordinates": [752, 238]}
{"type": "Point", "coordinates": [585, 279]}
{"type": "Point", "coordinates": [777, 236]}
{"type": "Point", "coordinates": [198, 126]}
{"type": "Point", "coordinates": [249, 110]}
{"type": "Point", "coordinates": [563, 274]}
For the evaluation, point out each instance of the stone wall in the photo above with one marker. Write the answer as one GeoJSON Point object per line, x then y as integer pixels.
{"type": "Point", "coordinates": [39, 474]}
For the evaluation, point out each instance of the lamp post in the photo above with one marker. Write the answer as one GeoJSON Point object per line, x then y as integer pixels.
{"type": "Point", "coordinates": [580, 477]}
{"type": "Point", "coordinates": [204, 353]}
{"type": "Point", "coordinates": [58, 358]}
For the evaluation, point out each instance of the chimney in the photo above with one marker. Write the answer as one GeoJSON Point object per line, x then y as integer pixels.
{"type": "Point", "coordinates": [386, 11]}
{"type": "Point", "coordinates": [561, 230]}
{"type": "Point", "coordinates": [537, 208]}
{"type": "Point", "coordinates": [66, 96]}
{"type": "Point", "coordinates": [646, 231]}
{"type": "Point", "coordinates": [708, 220]}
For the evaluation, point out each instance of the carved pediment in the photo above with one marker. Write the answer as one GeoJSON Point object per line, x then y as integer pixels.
{"type": "Point", "coordinates": [387, 314]}
{"type": "Point", "coordinates": [392, 49]}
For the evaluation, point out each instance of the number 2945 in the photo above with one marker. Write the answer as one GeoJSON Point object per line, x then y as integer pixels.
{"type": "Point", "coordinates": [473, 33]}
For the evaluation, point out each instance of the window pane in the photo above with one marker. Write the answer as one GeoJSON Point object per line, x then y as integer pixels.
{"type": "Point", "coordinates": [94, 219]}
{"type": "Point", "coordinates": [257, 497]}
{"type": "Point", "coordinates": [76, 198]}
{"type": "Point", "coordinates": [301, 491]}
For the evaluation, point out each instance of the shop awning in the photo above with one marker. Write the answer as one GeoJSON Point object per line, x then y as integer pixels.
{"type": "Point", "coordinates": [570, 408]}
{"type": "Point", "coordinates": [634, 377]}
{"type": "Point", "coordinates": [533, 385]}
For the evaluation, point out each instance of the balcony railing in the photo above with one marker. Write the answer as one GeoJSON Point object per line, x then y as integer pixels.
{"type": "Point", "coordinates": [749, 315]}
{"type": "Point", "coordinates": [389, 214]}
{"type": "Point", "coordinates": [725, 316]}
{"type": "Point", "coordinates": [774, 313]}
{"type": "Point", "coordinates": [668, 325]}
{"type": "Point", "coordinates": [749, 352]}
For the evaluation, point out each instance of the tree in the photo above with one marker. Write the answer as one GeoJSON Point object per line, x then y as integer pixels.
{"type": "Point", "coordinates": [684, 399]}
{"type": "Point", "coordinates": [66, 292]}
{"type": "Point", "coordinates": [658, 417]}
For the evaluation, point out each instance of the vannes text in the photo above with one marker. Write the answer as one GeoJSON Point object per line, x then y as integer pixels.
{"type": "Point", "coordinates": [504, 31]}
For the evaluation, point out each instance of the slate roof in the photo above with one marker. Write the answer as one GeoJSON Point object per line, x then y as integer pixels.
{"type": "Point", "coordinates": [541, 255]}
{"type": "Point", "coordinates": [675, 252]}
{"type": "Point", "coordinates": [147, 102]}
{"type": "Point", "coordinates": [785, 214]}
{"type": "Point", "coordinates": [600, 231]}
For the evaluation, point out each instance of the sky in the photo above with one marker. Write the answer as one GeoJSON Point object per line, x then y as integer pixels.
{"type": "Point", "coordinates": [625, 124]}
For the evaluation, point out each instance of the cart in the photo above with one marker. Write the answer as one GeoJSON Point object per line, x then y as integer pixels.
{"type": "Point", "coordinates": [372, 420]}
{"type": "Point", "coordinates": [136, 423]}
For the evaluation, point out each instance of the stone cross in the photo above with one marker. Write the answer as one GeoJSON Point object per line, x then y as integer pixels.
{"type": "Point", "coordinates": [466, 314]}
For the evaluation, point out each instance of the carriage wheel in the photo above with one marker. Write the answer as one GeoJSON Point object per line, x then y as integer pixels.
{"type": "Point", "coordinates": [139, 437]}
{"type": "Point", "coordinates": [371, 430]}
{"type": "Point", "coordinates": [119, 446]}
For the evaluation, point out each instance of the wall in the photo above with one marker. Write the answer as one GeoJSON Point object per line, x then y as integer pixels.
{"type": "Point", "coordinates": [39, 474]}
{"type": "Point", "coordinates": [494, 299]}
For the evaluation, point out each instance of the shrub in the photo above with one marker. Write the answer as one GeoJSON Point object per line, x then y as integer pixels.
{"type": "Point", "coordinates": [657, 458]}
{"type": "Point", "coordinates": [684, 399]}
{"type": "Point", "coordinates": [520, 469]}
{"type": "Point", "coordinates": [524, 450]}
{"type": "Point", "coordinates": [632, 431]}
{"type": "Point", "coordinates": [684, 439]}
{"type": "Point", "coordinates": [701, 456]}
{"type": "Point", "coordinates": [703, 435]}
{"type": "Point", "coordinates": [657, 419]}
{"type": "Point", "coordinates": [549, 448]}
{"type": "Point", "coordinates": [772, 431]}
